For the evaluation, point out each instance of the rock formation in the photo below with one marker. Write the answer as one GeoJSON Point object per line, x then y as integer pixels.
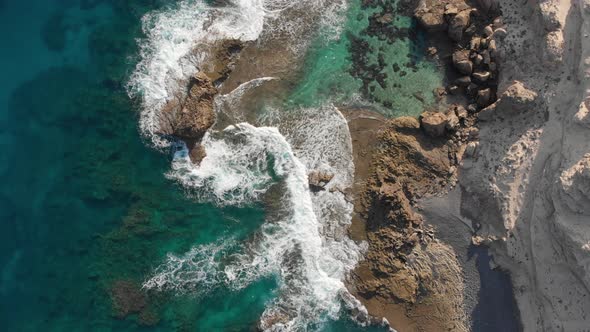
{"type": "Point", "coordinates": [525, 180]}
{"type": "Point", "coordinates": [408, 276]}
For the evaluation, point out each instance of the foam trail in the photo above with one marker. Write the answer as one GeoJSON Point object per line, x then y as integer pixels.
{"type": "Point", "coordinates": [176, 45]}
{"type": "Point", "coordinates": [178, 39]}
{"type": "Point", "coordinates": [229, 103]}
{"type": "Point", "coordinates": [244, 162]}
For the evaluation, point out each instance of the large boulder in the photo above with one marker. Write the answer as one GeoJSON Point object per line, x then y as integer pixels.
{"type": "Point", "coordinates": [462, 63]}
{"type": "Point", "coordinates": [430, 15]}
{"type": "Point", "coordinates": [458, 24]}
{"type": "Point", "coordinates": [516, 98]}
{"type": "Point", "coordinates": [434, 123]}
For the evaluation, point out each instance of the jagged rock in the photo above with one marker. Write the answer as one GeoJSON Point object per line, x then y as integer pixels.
{"type": "Point", "coordinates": [500, 34]}
{"type": "Point", "coordinates": [474, 43]}
{"type": "Point", "coordinates": [439, 93]}
{"type": "Point", "coordinates": [493, 48]}
{"type": "Point", "coordinates": [319, 179]}
{"type": "Point", "coordinates": [451, 10]}
{"type": "Point", "coordinates": [434, 123]}
{"type": "Point", "coordinates": [497, 23]}
{"type": "Point", "coordinates": [477, 60]}
{"type": "Point", "coordinates": [484, 97]}
{"type": "Point", "coordinates": [481, 76]}
{"type": "Point", "coordinates": [549, 16]}
{"type": "Point", "coordinates": [452, 120]}
{"type": "Point", "coordinates": [483, 43]}
{"type": "Point", "coordinates": [458, 24]}
{"type": "Point", "coordinates": [385, 18]}
{"type": "Point", "coordinates": [431, 17]}
{"type": "Point", "coordinates": [516, 98]}
{"type": "Point", "coordinates": [471, 149]}
{"type": "Point", "coordinates": [463, 81]}
{"type": "Point", "coordinates": [462, 63]}
{"type": "Point", "coordinates": [431, 13]}
{"type": "Point", "coordinates": [194, 115]}
{"type": "Point", "coordinates": [472, 89]}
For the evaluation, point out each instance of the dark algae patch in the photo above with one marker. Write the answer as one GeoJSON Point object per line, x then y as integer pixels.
{"type": "Point", "coordinates": [378, 56]}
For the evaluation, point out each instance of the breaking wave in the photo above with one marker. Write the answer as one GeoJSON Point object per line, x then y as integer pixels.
{"type": "Point", "coordinates": [305, 246]}
{"type": "Point", "coordinates": [178, 39]}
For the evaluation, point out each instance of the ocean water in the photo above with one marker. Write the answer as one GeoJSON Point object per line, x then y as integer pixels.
{"type": "Point", "coordinates": [101, 231]}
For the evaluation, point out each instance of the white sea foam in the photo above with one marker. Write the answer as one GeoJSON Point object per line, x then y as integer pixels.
{"type": "Point", "coordinates": [177, 40]}
{"type": "Point", "coordinates": [306, 248]}
{"type": "Point", "coordinates": [229, 103]}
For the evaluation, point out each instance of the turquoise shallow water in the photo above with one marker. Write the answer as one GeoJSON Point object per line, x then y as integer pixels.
{"type": "Point", "coordinates": [85, 210]}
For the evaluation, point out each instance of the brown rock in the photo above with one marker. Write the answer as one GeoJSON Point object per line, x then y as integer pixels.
{"type": "Point", "coordinates": [458, 24]}
{"type": "Point", "coordinates": [385, 18]}
{"type": "Point", "coordinates": [462, 63]}
{"type": "Point", "coordinates": [431, 13]}
{"type": "Point", "coordinates": [484, 97]}
{"type": "Point", "coordinates": [431, 51]}
{"type": "Point", "coordinates": [461, 112]}
{"type": "Point", "coordinates": [190, 118]}
{"type": "Point", "coordinates": [517, 98]}
{"type": "Point", "coordinates": [463, 81]}
{"type": "Point", "coordinates": [452, 120]}
{"type": "Point", "coordinates": [398, 274]}
{"type": "Point", "coordinates": [474, 43]}
{"type": "Point", "coordinates": [434, 123]}
{"type": "Point", "coordinates": [481, 76]}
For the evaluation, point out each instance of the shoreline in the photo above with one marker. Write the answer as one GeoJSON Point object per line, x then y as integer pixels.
{"type": "Point", "coordinates": [420, 204]}
{"type": "Point", "coordinates": [452, 234]}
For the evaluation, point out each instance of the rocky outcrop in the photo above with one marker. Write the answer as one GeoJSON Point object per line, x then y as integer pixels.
{"type": "Point", "coordinates": [189, 118]}
{"type": "Point", "coordinates": [319, 179]}
{"type": "Point", "coordinates": [409, 277]}
{"type": "Point", "coordinates": [431, 15]}
{"type": "Point", "coordinates": [517, 98]}
{"type": "Point", "coordinates": [434, 123]}
{"type": "Point", "coordinates": [191, 113]}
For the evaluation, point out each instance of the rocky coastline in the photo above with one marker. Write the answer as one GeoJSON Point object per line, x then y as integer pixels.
{"type": "Point", "coordinates": [476, 159]}
{"type": "Point", "coordinates": [514, 162]}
